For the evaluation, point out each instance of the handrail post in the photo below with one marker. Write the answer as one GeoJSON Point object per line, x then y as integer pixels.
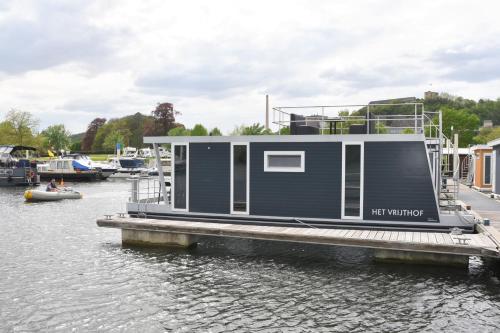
{"type": "Point", "coordinates": [440, 152]}
{"type": "Point", "coordinates": [368, 119]}
{"type": "Point", "coordinates": [160, 173]}
{"type": "Point", "coordinates": [415, 118]}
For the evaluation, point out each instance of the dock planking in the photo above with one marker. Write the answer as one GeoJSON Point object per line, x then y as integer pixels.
{"type": "Point", "coordinates": [474, 244]}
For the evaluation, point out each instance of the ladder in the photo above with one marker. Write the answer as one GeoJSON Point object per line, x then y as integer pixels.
{"type": "Point", "coordinates": [450, 177]}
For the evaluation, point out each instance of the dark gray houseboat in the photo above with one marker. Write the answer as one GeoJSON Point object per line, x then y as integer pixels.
{"type": "Point", "coordinates": [381, 177]}
{"type": "Point", "coordinates": [15, 166]}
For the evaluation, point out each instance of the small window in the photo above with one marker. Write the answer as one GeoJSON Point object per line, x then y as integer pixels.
{"type": "Point", "coordinates": [284, 161]}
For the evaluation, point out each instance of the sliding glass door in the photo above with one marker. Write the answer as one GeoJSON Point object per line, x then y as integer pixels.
{"type": "Point", "coordinates": [352, 180]}
{"type": "Point", "coordinates": [180, 177]}
{"type": "Point", "coordinates": [239, 178]}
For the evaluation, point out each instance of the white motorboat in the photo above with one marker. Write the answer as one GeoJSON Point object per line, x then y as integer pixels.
{"type": "Point", "coordinates": [77, 167]}
{"type": "Point", "coordinates": [106, 169]}
{"type": "Point", "coordinates": [128, 166]}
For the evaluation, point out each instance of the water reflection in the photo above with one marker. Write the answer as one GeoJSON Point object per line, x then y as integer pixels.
{"type": "Point", "coordinates": [59, 272]}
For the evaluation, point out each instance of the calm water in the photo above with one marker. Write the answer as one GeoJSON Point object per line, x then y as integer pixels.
{"type": "Point", "coordinates": [59, 272]}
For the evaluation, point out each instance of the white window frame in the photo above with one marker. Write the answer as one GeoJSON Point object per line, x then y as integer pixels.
{"type": "Point", "coordinates": [247, 211]}
{"type": "Point", "coordinates": [172, 179]}
{"type": "Point", "coordinates": [361, 180]}
{"type": "Point", "coordinates": [484, 168]}
{"type": "Point", "coordinates": [301, 153]}
{"type": "Point", "coordinates": [494, 171]}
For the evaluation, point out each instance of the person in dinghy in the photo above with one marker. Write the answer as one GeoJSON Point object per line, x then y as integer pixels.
{"type": "Point", "coordinates": [52, 186]}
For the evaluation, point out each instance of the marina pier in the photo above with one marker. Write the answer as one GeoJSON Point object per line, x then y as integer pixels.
{"type": "Point", "coordinates": [408, 246]}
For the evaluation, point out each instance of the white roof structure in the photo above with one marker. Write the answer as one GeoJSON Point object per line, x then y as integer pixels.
{"type": "Point", "coordinates": [476, 147]}
{"type": "Point", "coordinates": [495, 142]}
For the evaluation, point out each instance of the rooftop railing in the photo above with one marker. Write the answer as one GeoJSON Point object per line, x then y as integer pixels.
{"type": "Point", "coordinates": [338, 119]}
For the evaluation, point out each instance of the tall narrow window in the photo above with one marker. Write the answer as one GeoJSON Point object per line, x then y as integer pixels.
{"type": "Point", "coordinates": [180, 177]}
{"type": "Point", "coordinates": [487, 169]}
{"type": "Point", "coordinates": [352, 196]}
{"type": "Point", "coordinates": [239, 185]}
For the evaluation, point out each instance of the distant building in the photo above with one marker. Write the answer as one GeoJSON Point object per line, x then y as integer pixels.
{"type": "Point", "coordinates": [488, 124]}
{"type": "Point", "coordinates": [431, 95]}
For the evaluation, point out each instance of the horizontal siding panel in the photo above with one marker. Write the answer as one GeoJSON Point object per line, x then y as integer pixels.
{"type": "Point", "coordinates": [397, 176]}
{"type": "Point", "coordinates": [313, 193]}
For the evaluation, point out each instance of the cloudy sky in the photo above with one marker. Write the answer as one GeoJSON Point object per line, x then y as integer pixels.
{"type": "Point", "coordinates": [71, 61]}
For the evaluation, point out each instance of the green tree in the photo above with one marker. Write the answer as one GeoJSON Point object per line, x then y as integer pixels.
{"type": "Point", "coordinates": [112, 139]}
{"type": "Point", "coordinates": [381, 128]}
{"type": "Point", "coordinates": [114, 125]}
{"type": "Point", "coordinates": [76, 146]}
{"type": "Point", "coordinates": [254, 129]}
{"type": "Point", "coordinates": [57, 137]}
{"type": "Point", "coordinates": [179, 131]}
{"type": "Point", "coordinates": [284, 131]}
{"type": "Point", "coordinates": [41, 143]}
{"type": "Point", "coordinates": [408, 131]}
{"type": "Point", "coordinates": [23, 126]}
{"type": "Point", "coordinates": [215, 132]}
{"type": "Point", "coordinates": [6, 133]}
{"type": "Point", "coordinates": [463, 122]}
{"type": "Point", "coordinates": [199, 130]}
{"type": "Point", "coordinates": [487, 134]}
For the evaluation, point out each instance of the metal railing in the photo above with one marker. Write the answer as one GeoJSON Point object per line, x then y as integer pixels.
{"type": "Point", "coordinates": [323, 116]}
{"type": "Point", "coordinates": [146, 190]}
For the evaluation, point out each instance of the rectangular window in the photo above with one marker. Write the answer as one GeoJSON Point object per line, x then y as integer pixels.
{"type": "Point", "coordinates": [239, 178]}
{"type": "Point", "coordinates": [487, 169]}
{"type": "Point", "coordinates": [352, 181]}
{"type": "Point", "coordinates": [284, 161]}
{"type": "Point", "coordinates": [181, 175]}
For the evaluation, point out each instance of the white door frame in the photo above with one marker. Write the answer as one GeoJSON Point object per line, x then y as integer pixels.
{"type": "Point", "coordinates": [484, 168]}
{"type": "Point", "coordinates": [172, 180]}
{"type": "Point", "coordinates": [247, 211]}
{"type": "Point", "coordinates": [494, 171]}
{"type": "Point", "coordinates": [361, 179]}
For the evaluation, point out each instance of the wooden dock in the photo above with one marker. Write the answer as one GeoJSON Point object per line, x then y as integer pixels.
{"type": "Point", "coordinates": [390, 244]}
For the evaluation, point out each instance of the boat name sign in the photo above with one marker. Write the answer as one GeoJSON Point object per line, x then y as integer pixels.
{"type": "Point", "coordinates": [397, 212]}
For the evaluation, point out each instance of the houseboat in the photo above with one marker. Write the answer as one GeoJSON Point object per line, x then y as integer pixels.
{"type": "Point", "coordinates": [16, 168]}
{"type": "Point", "coordinates": [495, 166]}
{"type": "Point", "coordinates": [357, 178]}
{"type": "Point", "coordinates": [482, 166]}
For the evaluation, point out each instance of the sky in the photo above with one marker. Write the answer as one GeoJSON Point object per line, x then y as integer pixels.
{"type": "Point", "coordinates": [72, 61]}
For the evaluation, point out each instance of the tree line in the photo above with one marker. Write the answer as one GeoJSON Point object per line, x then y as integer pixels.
{"type": "Point", "coordinates": [462, 116]}
{"type": "Point", "coordinates": [21, 128]}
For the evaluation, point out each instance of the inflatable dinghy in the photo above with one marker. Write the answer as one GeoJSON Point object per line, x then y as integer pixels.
{"type": "Point", "coordinates": [36, 195]}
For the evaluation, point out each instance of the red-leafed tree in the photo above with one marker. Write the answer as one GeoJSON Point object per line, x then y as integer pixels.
{"type": "Point", "coordinates": [164, 120]}
{"type": "Point", "coordinates": [88, 139]}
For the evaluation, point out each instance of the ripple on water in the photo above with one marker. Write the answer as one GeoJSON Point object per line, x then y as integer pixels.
{"type": "Point", "coordinates": [59, 272]}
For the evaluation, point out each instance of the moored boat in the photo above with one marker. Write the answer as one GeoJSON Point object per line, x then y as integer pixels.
{"type": "Point", "coordinates": [65, 193]}
{"type": "Point", "coordinates": [16, 169]}
{"type": "Point", "coordinates": [128, 166]}
{"type": "Point", "coordinates": [68, 169]}
{"type": "Point", "coordinates": [83, 161]}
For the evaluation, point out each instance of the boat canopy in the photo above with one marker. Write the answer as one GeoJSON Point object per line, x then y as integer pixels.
{"type": "Point", "coordinates": [10, 149]}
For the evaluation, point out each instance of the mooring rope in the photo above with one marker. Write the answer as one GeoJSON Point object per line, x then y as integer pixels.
{"type": "Point", "coordinates": [306, 224]}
